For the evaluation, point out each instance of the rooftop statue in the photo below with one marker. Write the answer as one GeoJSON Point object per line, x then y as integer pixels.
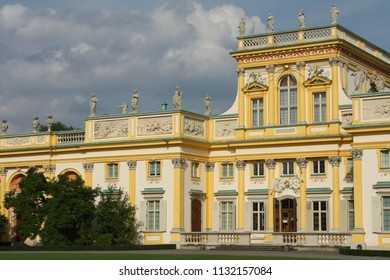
{"type": "Point", "coordinates": [124, 107]}
{"type": "Point", "coordinates": [241, 27]}
{"type": "Point", "coordinates": [334, 13]}
{"type": "Point", "coordinates": [92, 104]}
{"type": "Point", "coordinates": [270, 22]}
{"type": "Point", "coordinates": [134, 102]}
{"type": "Point", "coordinates": [301, 19]}
{"type": "Point", "coordinates": [176, 100]}
{"type": "Point", "coordinates": [207, 105]}
{"type": "Point", "coordinates": [49, 122]}
{"type": "Point", "coordinates": [4, 126]}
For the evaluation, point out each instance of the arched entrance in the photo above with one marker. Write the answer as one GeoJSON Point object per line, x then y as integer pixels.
{"type": "Point", "coordinates": [285, 215]}
{"type": "Point", "coordinates": [196, 215]}
{"type": "Point", "coordinates": [14, 220]}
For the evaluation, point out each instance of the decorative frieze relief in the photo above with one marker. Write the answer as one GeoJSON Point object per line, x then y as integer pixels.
{"type": "Point", "coordinates": [40, 139]}
{"type": "Point", "coordinates": [155, 126]}
{"type": "Point", "coordinates": [281, 184]}
{"type": "Point", "coordinates": [18, 141]}
{"type": "Point", "coordinates": [346, 118]}
{"type": "Point", "coordinates": [225, 128]}
{"type": "Point", "coordinates": [111, 129]}
{"type": "Point", "coordinates": [376, 109]}
{"type": "Point", "coordinates": [194, 127]}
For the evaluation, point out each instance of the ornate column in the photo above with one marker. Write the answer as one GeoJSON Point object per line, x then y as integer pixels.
{"type": "Point", "coordinates": [335, 162]}
{"type": "Point", "coordinates": [209, 194]}
{"type": "Point", "coordinates": [88, 171]}
{"type": "Point", "coordinates": [241, 99]}
{"type": "Point", "coordinates": [358, 233]}
{"type": "Point", "coordinates": [240, 164]}
{"type": "Point", "coordinates": [302, 164]}
{"type": "Point", "coordinates": [132, 164]}
{"type": "Point", "coordinates": [334, 62]}
{"type": "Point", "coordinates": [50, 170]}
{"type": "Point", "coordinates": [3, 186]}
{"type": "Point", "coordinates": [178, 198]}
{"type": "Point", "coordinates": [301, 65]}
{"type": "Point", "coordinates": [272, 96]}
{"type": "Point", "coordinates": [271, 164]}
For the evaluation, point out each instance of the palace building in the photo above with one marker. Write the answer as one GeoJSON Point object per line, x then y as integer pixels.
{"type": "Point", "coordinates": [301, 158]}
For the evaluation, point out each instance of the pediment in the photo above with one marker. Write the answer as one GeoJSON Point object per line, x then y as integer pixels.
{"type": "Point", "coordinates": [255, 86]}
{"type": "Point", "coordinates": [317, 81]}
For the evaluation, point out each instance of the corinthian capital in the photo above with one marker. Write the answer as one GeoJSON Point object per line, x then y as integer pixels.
{"type": "Point", "coordinates": [240, 164]}
{"type": "Point", "coordinates": [240, 71]}
{"type": "Point", "coordinates": [178, 162]}
{"type": "Point", "coordinates": [209, 166]}
{"type": "Point", "coordinates": [270, 163]}
{"type": "Point", "coordinates": [302, 162]}
{"type": "Point", "coordinates": [357, 154]}
{"type": "Point", "coordinates": [335, 161]}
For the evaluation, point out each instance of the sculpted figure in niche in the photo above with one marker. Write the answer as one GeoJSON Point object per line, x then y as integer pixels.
{"type": "Point", "coordinates": [241, 27]}
{"type": "Point", "coordinates": [301, 19]}
{"type": "Point", "coordinates": [360, 77]}
{"type": "Point", "coordinates": [92, 104]}
{"type": "Point", "coordinates": [134, 101]}
{"type": "Point", "coordinates": [270, 22]}
{"type": "Point", "coordinates": [334, 13]}
{"type": "Point", "coordinates": [177, 99]}
{"type": "Point", "coordinates": [207, 105]}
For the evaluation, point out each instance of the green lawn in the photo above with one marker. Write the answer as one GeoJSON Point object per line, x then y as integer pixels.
{"type": "Point", "coordinates": [126, 256]}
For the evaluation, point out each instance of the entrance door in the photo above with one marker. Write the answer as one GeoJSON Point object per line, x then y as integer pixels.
{"type": "Point", "coordinates": [285, 216]}
{"type": "Point", "coordinates": [196, 215]}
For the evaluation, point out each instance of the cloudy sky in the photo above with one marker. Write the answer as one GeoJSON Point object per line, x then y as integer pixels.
{"type": "Point", "coordinates": [54, 54]}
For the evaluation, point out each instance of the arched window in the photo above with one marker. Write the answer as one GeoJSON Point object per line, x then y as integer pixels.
{"type": "Point", "coordinates": [288, 100]}
{"type": "Point", "coordinates": [14, 185]}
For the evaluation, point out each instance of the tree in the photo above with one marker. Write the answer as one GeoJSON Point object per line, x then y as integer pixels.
{"type": "Point", "coordinates": [69, 213]}
{"type": "Point", "coordinates": [56, 126]}
{"type": "Point", "coordinates": [3, 224]}
{"type": "Point", "coordinates": [115, 219]}
{"type": "Point", "coordinates": [28, 203]}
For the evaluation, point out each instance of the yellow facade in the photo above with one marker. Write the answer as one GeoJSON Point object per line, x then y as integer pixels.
{"type": "Point", "coordinates": [274, 169]}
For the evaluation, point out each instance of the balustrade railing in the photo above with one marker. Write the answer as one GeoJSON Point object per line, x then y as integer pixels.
{"type": "Point", "coordinates": [312, 239]}
{"type": "Point", "coordinates": [71, 138]}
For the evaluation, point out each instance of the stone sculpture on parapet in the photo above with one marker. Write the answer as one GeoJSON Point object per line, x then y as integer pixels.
{"type": "Point", "coordinates": [301, 19]}
{"type": "Point", "coordinates": [92, 104]}
{"type": "Point", "coordinates": [134, 101]}
{"type": "Point", "coordinates": [49, 122]}
{"type": "Point", "coordinates": [241, 27]}
{"type": "Point", "coordinates": [4, 126]}
{"type": "Point", "coordinates": [334, 13]}
{"type": "Point", "coordinates": [207, 105]}
{"type": "Point", "coordinates": [177, 99]}
{"type": "Point", "coordinates": [35, 124]}
{"type": "Point", "coordinates": [270, 22]}
{"type": "Point", "coordinates": [124, 107]}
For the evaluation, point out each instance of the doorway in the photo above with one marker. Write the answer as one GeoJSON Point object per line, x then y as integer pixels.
{"type": "Point", "coordinates": [196, 215]}
{"type": "Point", "coordinates": [285, 215]}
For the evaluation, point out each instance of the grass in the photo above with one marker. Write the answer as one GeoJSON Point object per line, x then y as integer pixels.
{"type": "Point", "coordinates": [127, 256]}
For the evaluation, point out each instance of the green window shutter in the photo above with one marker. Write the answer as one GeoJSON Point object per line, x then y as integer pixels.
{"type": "Point", "coordinates": [248, 216]}
{"type": "Point", "coordinates": [344, 215]}
{"type": "Point", "coordinates": [376, 217]}
{"type": "Point", "coordinates": [163, 215]}
{"type": "Point", "coordinates": [215, 215]}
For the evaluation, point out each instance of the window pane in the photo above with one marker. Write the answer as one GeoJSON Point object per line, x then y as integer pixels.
{"type": "Point", "coordinates": [255, 221]}
{"type": "Point", "coordinates": [316, 221]}
{"type": "Point", "coordinates": [385, 159]}
{"type": "Point", "coordinates": [386, 220]}
{"type": "Point", "coordinates": [323, 221]}
{"type": "Point", "coordinates": [386, 202]}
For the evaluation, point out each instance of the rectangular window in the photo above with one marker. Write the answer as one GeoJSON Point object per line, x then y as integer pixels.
{"type": "Point", "coordinates": [351, 215]}
{"type": "Point", "coordinates": [195, 170]}
{"type": "Point", "coordinates": [258, 216]}
{"type": "Point", "coordinates": [112, 170]}
{"type": "Point", "coordinates": [385, 160]}
{"type": "Point", "coordinates": [258, 169]}
{"type": "Point", "coordinates": [288, 106]}
{"type": "Point", "coordinates": [386, 212]}
{"type": "Point", "coordinates": [350, 166]}
{"type": "Point", "coordinates": [227, 216]}
{"type": "Point", "coordinates": [288, 168]}
{"type": "Point", "coordinates": [319, 107]}
{"type": "Point", "coordinates": [257, 112]}
{"type": "Point", "coordinates": [153, 215]}
{"type": "Point", "coordinates": [227, 170]}
{"type": "Point", "coordinates": [318, 167]}
{"type": "Point", "coordinates": [154, 168]}
{"type": "Point", "coordinates": [319, 215]}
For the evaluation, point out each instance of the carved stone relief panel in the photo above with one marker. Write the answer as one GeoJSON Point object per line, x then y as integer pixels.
{"type": "Point", "coordinates": [225, 128]}
{"type": "Point", "coordinates": [155, 125]}
{"type": "Point", "coordinates": [376, 109]}
{"type": "Point", "coordinates": [40, 139]}
{"type": "Point", "coordinates": [346, 118]}
{"type": "Point", "coordinates": [193, 127]}
{"type": "Point", "coordinates": [17, 141]}
{"type": "Point", "coordinates": [117, 128]}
